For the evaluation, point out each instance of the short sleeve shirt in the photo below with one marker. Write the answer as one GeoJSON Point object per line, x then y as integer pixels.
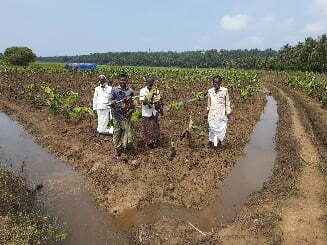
{"type": "Point", "coordinates": [118, 93]}
{"type": "Point", "coordinates": [147, 110]}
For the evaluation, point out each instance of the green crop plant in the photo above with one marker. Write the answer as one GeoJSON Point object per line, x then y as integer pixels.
{"type": "Point", "coordinates": [69, 101]}
{"type": "Point", "coordinates": [195, 129]}
{"type": "Point", "coordinates": [33, 94]}
{"type": "Point", "coordinates": [247, 91]}
{"type": "Point", "coordinates": [174, 105]}
{"type": "Point", "coordinates": [55, 100]}
{"type": "Point", "coordinates": [309, 84]}
{"type": "Point", "coordinates": [191, 129]}
{"type": "Point", "coordinates": [199, 95]}
{"type": "Point", "coordinates": [137, 114]}
{"type": "Point", "coordinates": [80, 110]}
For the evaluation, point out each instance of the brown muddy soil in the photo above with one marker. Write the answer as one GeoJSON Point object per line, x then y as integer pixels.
{"type": "Point", "coordinates": [290, 209]}
{"type": "Point", "coordinates": [191, 179]}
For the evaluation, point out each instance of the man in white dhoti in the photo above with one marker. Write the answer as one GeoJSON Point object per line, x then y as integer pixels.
{"type": "Point", "coordinates": [100, 100]}
{"type": "Point", "coordinates": [219, 111]}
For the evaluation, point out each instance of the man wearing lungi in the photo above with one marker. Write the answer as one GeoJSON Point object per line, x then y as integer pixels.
{"type": "Point", "coordinates": [150, 100]}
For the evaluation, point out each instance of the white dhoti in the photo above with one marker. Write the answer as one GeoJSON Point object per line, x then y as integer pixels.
{"type": "Point", "coordinates": [219, 107]}
{"type": "Point", "coordinates": [100, 99]}
{"type": "Point", "coordinates": [103, 119]}
{"type": "Point", "coordinates": [217, 129]}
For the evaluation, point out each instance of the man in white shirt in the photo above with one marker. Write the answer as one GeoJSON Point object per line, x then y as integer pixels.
{"type": "Point", "coordinates": [150, 100]}
{"type": "Point", "coordinates": [100, 100]}
{"type": "Point", "coordinates": [219, 111]}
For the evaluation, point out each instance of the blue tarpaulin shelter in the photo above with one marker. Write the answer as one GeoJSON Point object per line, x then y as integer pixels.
{"type": "Point", "coordinates": [78, 66]}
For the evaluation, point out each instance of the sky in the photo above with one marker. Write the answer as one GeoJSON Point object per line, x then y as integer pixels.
{"type": "Point", "coordinates": [74, 27]}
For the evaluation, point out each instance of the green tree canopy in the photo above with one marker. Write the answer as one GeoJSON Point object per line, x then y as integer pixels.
{"type": "Point", "coordinates": [310, 55]}
{"type": "Point", "coordinates": [19, 56]}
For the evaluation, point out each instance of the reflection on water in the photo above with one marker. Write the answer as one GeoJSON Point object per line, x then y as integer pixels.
{"type": "Point", "coordinates": [64, 193]}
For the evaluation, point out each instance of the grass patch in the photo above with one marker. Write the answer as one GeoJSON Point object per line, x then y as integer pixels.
{"type": "Point", "coordinates": [268, 218]}
{"type": "Point", "coordinates": [20, 221]}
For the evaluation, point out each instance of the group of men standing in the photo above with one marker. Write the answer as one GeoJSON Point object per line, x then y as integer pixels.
{"type": "Point", "coordinates": [118, 104]}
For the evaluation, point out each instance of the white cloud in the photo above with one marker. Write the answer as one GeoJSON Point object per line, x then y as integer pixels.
{"type": "Point", "coordinates": [316, 28]}
{"type": "Point", "coordinates": [290, 20]}
{"type": "Point", "coordinates": [321, 6]}
{"type": "Point", "coordinates": [236, 22]}
{"type": "Point", "coordinates": [268, 19]}
{"type": "Point", "coordinates": [318, 24]}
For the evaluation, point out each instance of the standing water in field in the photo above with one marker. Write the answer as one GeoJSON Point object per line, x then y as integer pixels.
{"type": "Point", "coordinates": [65, 194]}
{"type": "Point", "coordinates": [250, 173]}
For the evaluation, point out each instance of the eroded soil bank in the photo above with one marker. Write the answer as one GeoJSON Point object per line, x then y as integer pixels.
{"type": "Point", "coordinates": [21, 221]}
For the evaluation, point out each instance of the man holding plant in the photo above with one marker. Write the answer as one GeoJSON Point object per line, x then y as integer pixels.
{"type": "Point", "coordinates": [151, 106]}
{"type": "Point", "coordinates": [122, 105]}
{"type": "Point", "coordinates": [219, 112]}
{"type": "Point", "coordinates": [100, 98]}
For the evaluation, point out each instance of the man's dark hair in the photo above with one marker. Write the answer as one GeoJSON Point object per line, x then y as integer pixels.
{"type": "Point", "coordinates": [121, 75]}
{"type": "Point", "coordinates": [219, 78]}
{"type": "Point", "coordinates": [151, 77]}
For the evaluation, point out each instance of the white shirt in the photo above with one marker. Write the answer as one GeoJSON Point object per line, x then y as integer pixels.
{"type": "Point", "coordinates": [219, 105]}
{"type": "Point", "coordinates": [147, 110]}
{"type": "Point", "coordinates": [101, 96]}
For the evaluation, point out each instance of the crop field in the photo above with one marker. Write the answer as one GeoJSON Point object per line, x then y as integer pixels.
{"type": "Point", "coordinates": [54, 105]}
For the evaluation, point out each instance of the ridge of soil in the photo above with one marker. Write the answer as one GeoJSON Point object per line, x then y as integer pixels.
{"type": "Point", "coordinates": [301, 215]}
{"type": "Point", "coordinates": [194, 173]}
{"type": "Point", "coordinates": [292, 211]}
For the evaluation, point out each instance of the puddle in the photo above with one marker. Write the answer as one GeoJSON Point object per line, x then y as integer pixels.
{"type": "Point", "coordinates": [66, 196]}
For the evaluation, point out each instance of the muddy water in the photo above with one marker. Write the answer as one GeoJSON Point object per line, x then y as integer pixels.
{"type": "Point", "coordinates": [246, 177]}
{"type": "Point", "coordinates": [64, 194]}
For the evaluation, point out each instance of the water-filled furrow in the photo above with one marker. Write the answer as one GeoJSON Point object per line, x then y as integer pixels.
{"type": "Point", "coordinates": [65, 193]}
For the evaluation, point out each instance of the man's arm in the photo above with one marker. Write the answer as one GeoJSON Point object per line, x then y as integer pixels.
{"type": "Point", "coordinates": [130, 102]}
{"type": "Point", "coordinates": [209, 103]}
{"type": "Point", "coordinates": [112, 98]}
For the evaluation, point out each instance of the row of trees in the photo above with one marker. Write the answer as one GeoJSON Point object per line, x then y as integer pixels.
{"type": "Point", "coordinates": [208, 58]}
{"type": "Point", "coordinates": [310, 55]}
